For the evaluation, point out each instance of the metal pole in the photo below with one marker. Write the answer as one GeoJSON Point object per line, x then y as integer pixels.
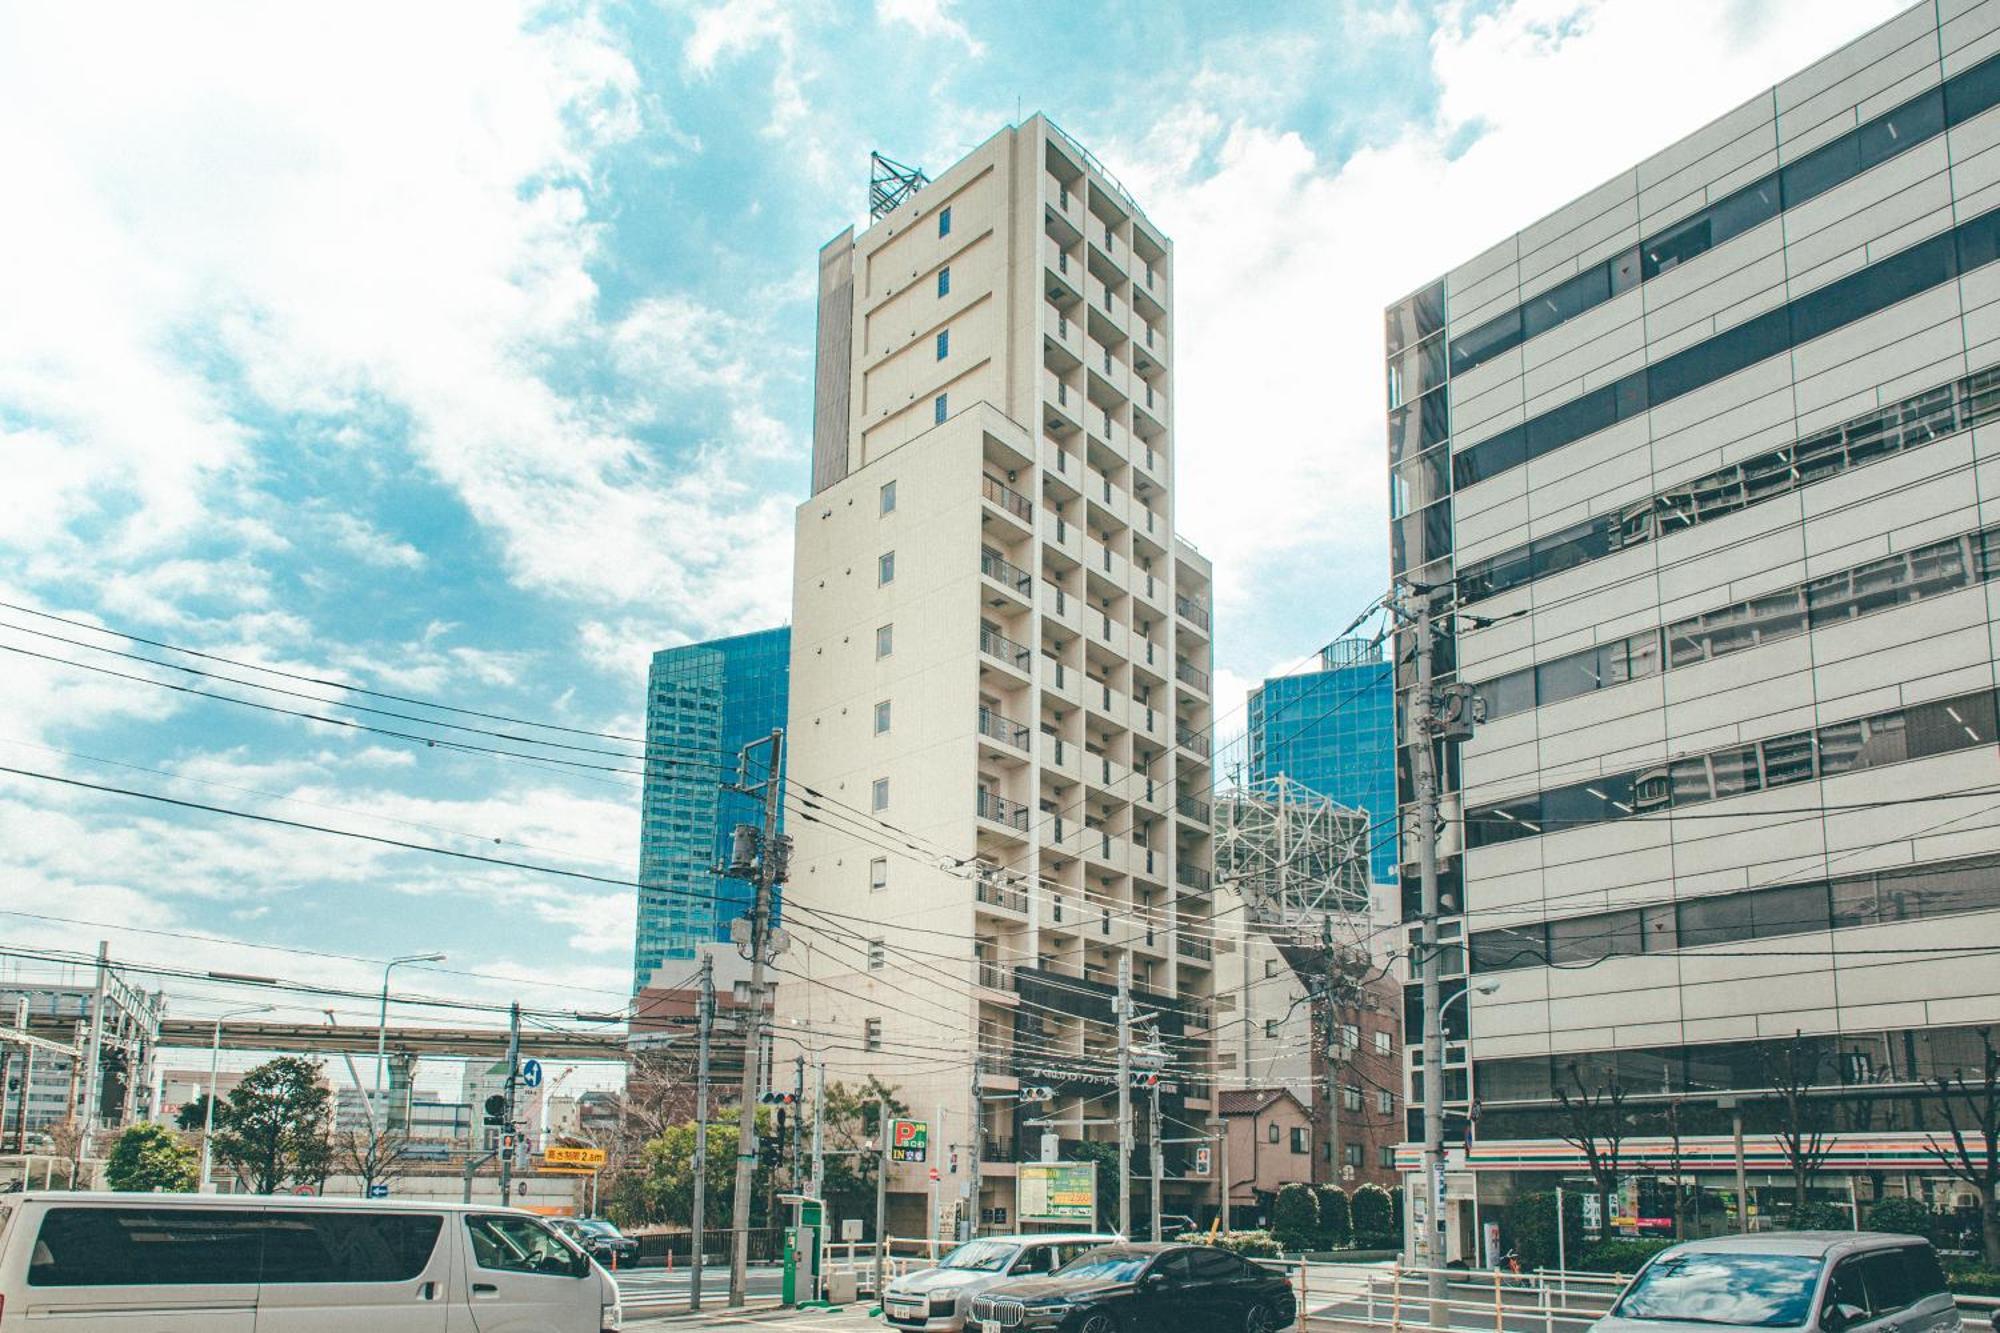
{"type": "Point", "coordinates": [698, 1224]}
{"type": "Point", "coordinates": [1562, 1243]}
{"type": "Point", "coordinates": [208, 1108]}
{"type": "Point", "coordinates": [819, 1127]}
{"type": "Point", "coordinates": [1427, 817]}
{"type": "Point", "coordinates": [937, 1186]}
{"type": "Point", "coordinates": [1158, 1155]}
{"type": "Point", "coordinates": [1125, 1095]}
{"type": "Point", "coordinates": [753, 1025]}
{"type": "Point", "coordinates": [21, 1121]}
{"type": "Point", "coordinates": [508, 1129]}
{"type": "Point", "coordinates": [978, 1152]}
{"type": "Point", "coordinates": [1742, 1176]}
{"type": "Point", "coordinates": [881, 1193]}
{"type": "Point", "coordinates": [89, 1121]}
{"type": "Point", "coordinates": [798, 1110]}
{"type": "Point", "coordinates": [1227, 1225]}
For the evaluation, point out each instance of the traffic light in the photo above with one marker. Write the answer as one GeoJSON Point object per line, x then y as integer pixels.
{"type": "Point", "coordinates": [496, 1110]}
{"type": "Point", "coordinates": [778, 1098]}
{"type": "Point", "coordinates": [781, 1124]}
{"type": "Point", "coordinates": [767, 1153]}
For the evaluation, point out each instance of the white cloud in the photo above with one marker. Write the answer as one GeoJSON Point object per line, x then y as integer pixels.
{"type": "Point", "coordinates": [370, 545]}
{"type": "Point", "coordinates": [1285, 261]}
{"type": "Point", "coordinates": [929, 18]}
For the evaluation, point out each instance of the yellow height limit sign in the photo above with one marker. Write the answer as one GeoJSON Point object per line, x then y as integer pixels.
{"type": "Point", "coordinates": [588, 1158]}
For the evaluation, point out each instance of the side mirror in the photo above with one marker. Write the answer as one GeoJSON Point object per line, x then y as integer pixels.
{"type": "Point", "coordinates": [1155, 1280]}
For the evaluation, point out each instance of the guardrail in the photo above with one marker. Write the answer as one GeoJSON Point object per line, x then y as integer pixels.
{"type": "Point", "coordinates": [1396, 1297]}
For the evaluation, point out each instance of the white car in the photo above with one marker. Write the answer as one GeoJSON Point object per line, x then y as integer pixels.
{"type": "Point", "coordinates": [187, 1263]}
{"type": "Point", "coordinates": [939, 1299]}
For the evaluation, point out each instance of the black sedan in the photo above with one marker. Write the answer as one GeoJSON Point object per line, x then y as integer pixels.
{"type": "Point", "coordinates": [1142, 1289]}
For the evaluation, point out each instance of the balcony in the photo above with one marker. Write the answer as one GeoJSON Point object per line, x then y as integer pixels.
{"type": "Point", "coordinates": [1187, 738]}
{"type": "Point", "coordinates": [1002, 729]}
{"type": "Point", "coordinates": [1152, 400]}
{"type": "Point", "coordinates": [1198, 949]}
{"type": "Point", "coordinates": [1192, 611]}
{"type": "Point", "coordinates": [1008, 500]}
{"type": "Point", "coordinates": [1101, 559]}
{"type": "Point", "coordinates": [1110, 498]}
{"type": "Point", "coordinates": [994, 893]}
{"type": "Point", "coordinates": [1064, 349]}
{"type": "Point", "coordinates": [1063, 271]}
{"type": "Point", "coordinates": [995, 976]}
{"type": "Point", "coordinates": [1148, 587]}
{"type": "Point", "coordinates": [1061, 608]}
{"type": "Point", "coordinates": [1007, 574]}
{"type": "Point", "coordinates": [1102, 629]}
{"type": "Point", "coordinates": [1194, 877]}
{"type": "Point", "coordinates": [1065, 537]}
{"type": "Point", "coordinates": [1000, 810]}
{"type": "Point", "coordinates": [1192, 676]}
{"type": "Point", "coordinates": [1100, 698]}
{"type": "Point", "coordinates": [1064, 202]}
{"type": "Point", "coordinates": [1104, 851]}
{"type": "Point", "coordinates": [1062, 410]}
{"type": "Point", "coordinates": [1152, 465]}
{"type": "Point", "coordinates": [1061, 756]}
{"type": "Point", "coordinates": [1187, 807]}
{"type": "Point", "coordinates": [1149, 721]}
{"type": "Point", "coordinates": [1004, 650]}
{"type": "Point", "coordinates": [1065, 682]}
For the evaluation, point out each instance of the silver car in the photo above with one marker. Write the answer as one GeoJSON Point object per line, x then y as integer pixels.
{"type": "Point", "coordinates": [1810, 1281]}
{"type": "Point", "coordinates": [939, 1298]}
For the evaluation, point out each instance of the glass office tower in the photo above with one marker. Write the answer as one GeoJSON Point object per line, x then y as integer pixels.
{"type": "Point", "coordinates": [704, 701]}
{"type": "Point", "coordinates": [1335, 731]}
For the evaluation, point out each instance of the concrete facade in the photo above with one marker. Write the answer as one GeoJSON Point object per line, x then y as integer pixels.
{"type": "Point", "coordinates": [1715, 511]}
{"type": "Point", "coordinates": [1000, 672]}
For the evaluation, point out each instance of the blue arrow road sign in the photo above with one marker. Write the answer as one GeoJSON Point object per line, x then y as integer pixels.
{"type": "Point", "coordinates": [531, 1073]}
{"type": "Point", "coordinates": [378, 1191]}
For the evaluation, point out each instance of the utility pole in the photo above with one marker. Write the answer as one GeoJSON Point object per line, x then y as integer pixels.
{"type": "Point", "coordinates": [1158, 1154]}
{"type": "Point", "coordinates": [94, 1058]}
{"type": "Point", "coordinates": [1423, 727]}
{"type": "Point", "coordinates": [1125, 1095]}
{"type": "Point", "coordinates": [881, 1192]}
{"type": "Point", "coordinates": [819, 1127]}
{"type": "Point", "coordinates": [698, 1224]}
{"type": "Point", "coordinates": [508, 1130]}
{"type": "Point", "coordinates": [978, 1151]}
{"type": "Point", "coordinates": [798, 1112]}
{"type": "Point", "coordinates": [1227, 1225]}
{"type": "Point", "coordinates": [768, 869]}
{"type": "Point", "coordinates": [1330, 1051]}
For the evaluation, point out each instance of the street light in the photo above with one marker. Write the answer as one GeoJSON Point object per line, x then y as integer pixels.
{"type": "Point", "coordinates": [382, 1034]}
{"type": "Point", "coordinates": [214, 1065]}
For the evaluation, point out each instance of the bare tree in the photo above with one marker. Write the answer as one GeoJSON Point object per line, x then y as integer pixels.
{"type": "Point", "coordinates": [1675, 1165]}
{"type": "Point", "coordinates": [373, 1159]}
{"type": "Point", "coordinates": [1594, 1124]}
{"type": "Point", "coordinates": [1973, 1154]}
{"type": "Point", "coordinates": [1805, 1127]}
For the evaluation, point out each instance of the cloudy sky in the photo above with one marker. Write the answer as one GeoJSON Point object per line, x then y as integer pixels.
{"type": "Point", "coordinates": [464, 352]}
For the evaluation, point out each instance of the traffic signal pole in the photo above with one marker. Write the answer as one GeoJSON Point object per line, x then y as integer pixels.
{"type": "Point", "coordinates": [507, 1128]}
{"type": "Point", "coordinates": [1125, 1096]}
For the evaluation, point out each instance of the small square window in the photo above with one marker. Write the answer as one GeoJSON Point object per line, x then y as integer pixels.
{"type": "Point", "coordinates": [1270, 967]}
{"type": "Point", "coordinates": [881, 717]}
{"type": "Point", "coordinates": [1385, 1156]}
{"type": "Point", "coordinates": [1352, 1152]}
{"type": "Point", "coordinates": [943, 344]}
{"type": "Point", "coordinates": [888, 497]}
{"type": "Point", "coordinates": [1271, 1028]}
{"type": "Point", "coordinates": [885, 640]}
{"type": "Point", "coordinates": [1277, 1134]}
{"type": "Point", "coordinates": [878, 955]}
{"type": "Point", "coordinates": [878, 874]}
{"type": "Point", "coordinates": [1382, 1042]}
{"type": "Point", "coordinates": [939, 411]}
{"type": "Point", "coordinates": [879, 799]}
{"type": "Point", "coordinates": [1301, 1140]}
{"type": "Point", "coordinates": [944, 220]}
{"type": "Point", "coordinates": [1350, 1098]}
{"type": "Point", "coordinates": [1385, 1102]}
{"type": "Point", "coordinates": [944, 281]}
{"type": "Point", "coordinates": [871, 1033]}
{"type": "Point", "coordinates": [885, 569]}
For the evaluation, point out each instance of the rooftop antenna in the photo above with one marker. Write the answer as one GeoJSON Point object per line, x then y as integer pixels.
{"type": "Point", "coordinates": [889, 184]}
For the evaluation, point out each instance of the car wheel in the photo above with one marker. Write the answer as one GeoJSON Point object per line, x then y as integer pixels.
{"type": "Point", "coordinates": [1259, 1319]}
{"type": "Point", "coordinates": [1098, 1321]}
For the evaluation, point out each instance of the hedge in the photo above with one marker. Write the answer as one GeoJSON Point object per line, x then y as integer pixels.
{"type": "Point", "coordinates": [1249, 1244]}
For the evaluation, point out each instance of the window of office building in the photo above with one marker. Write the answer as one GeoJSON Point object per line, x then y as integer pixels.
{"type": "Point", "coordinates": [888, 497]}
{"type": "Point", "coordinates": [944, 281]}
{"type": "Point", "coordinates": [881, 717]}
{"type": "Point", "coordinates": [943, 344]}
{"type": "Point", "coordinates": [879, 800]}
{"type": "Point", "coordinates": [944, 221]}
{"type": "Point", "coordinates": [885, 569]}
{"type": "Point", "coordinates": [938, 409]}
{"type": "Point", "coordinates": [885, 640]}
{"type": "Point", "coordinates": [871, 1034]}
{"type": "Point", "coordinates": [878, 874]}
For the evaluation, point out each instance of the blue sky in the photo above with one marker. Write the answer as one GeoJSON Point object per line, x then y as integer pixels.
{"type": "Point", "coordinates": [465, 352]}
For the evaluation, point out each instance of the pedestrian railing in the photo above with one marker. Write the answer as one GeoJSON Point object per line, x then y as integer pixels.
{"type": "Point", "coordinates": [1398, 1297]}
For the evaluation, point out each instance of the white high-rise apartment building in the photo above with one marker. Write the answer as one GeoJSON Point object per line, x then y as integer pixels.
{"type": "Point", "coordinates": [1701, 461]}
{"type": "Point", "coordinates": [1000, 703]}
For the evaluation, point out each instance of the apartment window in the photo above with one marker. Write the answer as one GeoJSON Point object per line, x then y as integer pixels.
{"type": "Point", "coordinates": [1270, 967]}
{"type": "Point", "coordinates": [1385, 1102]}
{"type": "Point", "coordinates": [944, 220]}
{"type": "Point", "coordinates": [943, 344]}
{"type": "Point", "coordinates": [1385, 1156]}
{"type": "Point", "coordinates": [1350, 1098]}
{"type": "Point", "coordinates": [1277, 1134]}
{"type": "Point", "coordinates": [879, 800]}
{"type": "Point", "coordinates": [885, 640]}
{"type": "Point", "coordinates": [938, 409]}
{"type": "Point", "coordinates": [885, 569]}
{"type": "Point", "coordinates": [878, 874]}
{"type": "Point", "coordinates": [881, 717]}
{"type": "Point", "coordinates": [888, 497]}
{"type": "Point", "coordinates": [1351, 1152]}
{"type": "Point", "coordinates": [1382, 1042]}
{"type": "Point", "coordinates": [1271, 1028]}
{"type": "Point", "coordinates": [871, 1034]}
{"type": "Point", "coordinates": [878, 955]}
{"type": "Point", "coordinates": [944, 281]}
{"type": "Point", "coordinates": [1301, 1139]}
{"type": "Point", "coordinates": [1350, 1036]}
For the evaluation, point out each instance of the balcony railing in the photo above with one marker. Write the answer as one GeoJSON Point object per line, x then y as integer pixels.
{"type": "Point", "coordinates": [996, 1150]}
{"type": "Point", "coordinates": [1001, 648]}
{"type": "Point", "coordinates": [1193, 809]}
{"type": "Point", "coordinates": [995, 976]}
{"type": "Point", "coordinates": [1189, 739]}
{"type": "Point", "coordinates": [1192, 948]}
{"type": "Point", "coordinates": [993, 893]}
{"type": "Point", "coordinates": [1194, 877]}
{"type": "Point", "coordinates": [1003, 729]}
{"type": "Point", "coordinates": [1005, 572]}
{"type": "Point", "coordinates": [1008, 499]}
{"type": "Point", "coordinates": [1190, 674]}
{"type": "Point", "coordinates": [1003, 811]}
{"type": "Point", "coordinates": [1191, 609]}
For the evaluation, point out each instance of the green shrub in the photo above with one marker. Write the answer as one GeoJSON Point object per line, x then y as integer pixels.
{"type": "Point", "coordinates": [1973, 1281]}
{"type": "Point", "coordinates": [1295, 1217]}
{"type": "Point", "coordinates": [1902, 1217]}
{"type": "Point", "coordinates": [1617, 1256]}
{"type": "Point", "coordinates": [1336, 1220]}
{"type": "Point", "coordinates": [1374, 1219]}
{"type": "Point", "coordinates": [1529, 1225]}
{"type": "Point", "coordinates": [1249, 1244]}
{"type": "Point", "coordinates": [1821, 1217]}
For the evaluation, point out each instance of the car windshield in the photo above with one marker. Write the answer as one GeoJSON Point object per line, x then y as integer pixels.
{"type": "Point", "coordinates": [1106, 1266]}
{"type": "Point", "coordinates": [600, 1226]}
{"type": "Point", "coordinates": [982, 1256]}
{"type": "Point", "coordinates": [1744, 1290]}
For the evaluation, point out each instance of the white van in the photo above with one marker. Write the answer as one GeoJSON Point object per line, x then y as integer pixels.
{"type": "Point", "coordinates": [185, 1263]}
